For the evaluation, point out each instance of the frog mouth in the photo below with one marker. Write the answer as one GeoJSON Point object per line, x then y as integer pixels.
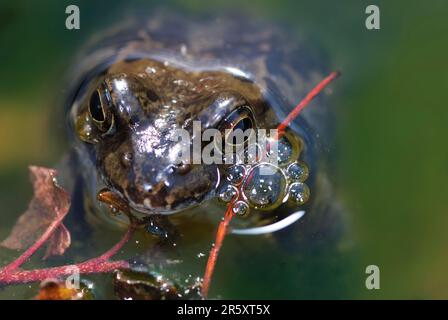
{"type": "Point", "coordinates": [167, 200]}
{"type": "Point", "coordinates": [118, 202]}
{"type": "Point", "coordinates": [165, 204]}
{"type": "Point", "coordinates": [180, 205]}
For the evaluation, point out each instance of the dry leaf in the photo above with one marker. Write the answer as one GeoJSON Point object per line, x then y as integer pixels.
{"type": "Point", "coordinates": [58, 242]}
{"type": "Point", "coordinates": [49, 204]}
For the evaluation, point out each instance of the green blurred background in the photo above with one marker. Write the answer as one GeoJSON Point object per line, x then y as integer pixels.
{"type": "Point", "coordinates": [392, 159]}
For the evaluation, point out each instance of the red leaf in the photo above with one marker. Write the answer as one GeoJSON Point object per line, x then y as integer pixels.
{"type": "Point", "coordinates": [58, 242]}
{"type": "Point", "coordinates": [49, 205]}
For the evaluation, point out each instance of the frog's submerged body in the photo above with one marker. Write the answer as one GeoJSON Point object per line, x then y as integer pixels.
{"type": "Point", "coordinates": [135, 86]}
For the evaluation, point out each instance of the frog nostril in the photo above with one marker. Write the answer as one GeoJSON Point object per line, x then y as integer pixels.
{"type": "Point", "coordinates": [180, 168]}
{"type": "Point", "coordinates": [183, 168]}
{"type": "Point", "coordinates": [148, 188]}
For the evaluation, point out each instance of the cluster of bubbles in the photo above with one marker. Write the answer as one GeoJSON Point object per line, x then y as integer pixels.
{"type": "Point", "coordinates": [264, 186]}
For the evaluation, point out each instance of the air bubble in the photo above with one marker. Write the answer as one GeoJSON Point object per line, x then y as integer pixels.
{"type": "Point", "coordinates": [284, 151]}
{"type": "Point", "coordinates": [228, 193]}
{"type": "Point", "coordinates": [288, 149]}
{"type": "Point", "coordinates": [265, 186]}
{"type": "Point", "coordinates": [299, 192]}
{"type": "Point", "coordinates": [298, 171]}
{"type": "Point", "coordinates": [235, 174]}
{"type": "Point", "coordinates": [240, 208]}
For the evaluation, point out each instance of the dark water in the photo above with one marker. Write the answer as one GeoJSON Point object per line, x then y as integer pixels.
{"type": "Point", "coordinates": [390, 159]}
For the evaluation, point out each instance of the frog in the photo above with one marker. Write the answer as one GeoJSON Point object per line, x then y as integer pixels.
{"type": "Point", "coordinates": [134, 86]}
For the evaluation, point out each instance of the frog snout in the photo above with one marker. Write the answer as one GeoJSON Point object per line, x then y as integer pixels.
{"type": "Point", "coordinates": [174, 188]}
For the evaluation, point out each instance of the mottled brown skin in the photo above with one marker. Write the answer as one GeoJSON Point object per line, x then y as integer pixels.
{"type": "Point", "coordinates": [164, 74]}
{"type": "Point", "coordinates": [148, 100]}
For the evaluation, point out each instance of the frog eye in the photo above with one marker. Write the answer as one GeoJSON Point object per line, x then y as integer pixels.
{"type": "Point", "coordinates": [237, 124]}
{"type": "Point", "coordinates": [244, 124]}
{"type": "Point", "coordinates": [238, 134]}
{"type": "Point", "coordinates": [96, 108]}
{"type": "Point", "coordinates": [100, 111]}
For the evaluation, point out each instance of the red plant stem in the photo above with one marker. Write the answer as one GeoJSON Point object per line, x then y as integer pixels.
{"type": "Point", "coordinates": [302, 104]}
{"type": "Point", "coordinates": [113, 251]}
{"type": "Point", "coordinates": [211, 262]}
{"type": "Point", "coordinates": [87, 267]}
{"type": "Point", "coordinates": [223, 226]}
{"type": "Point", "coordinates": [96, 265]}
{"type": "Point", "coordinates": [31, 250]}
